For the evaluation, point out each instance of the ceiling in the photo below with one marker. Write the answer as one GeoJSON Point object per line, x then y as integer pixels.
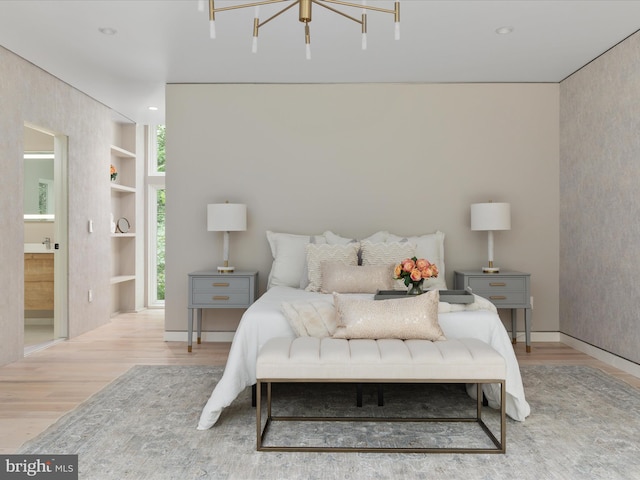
{"type": "Point", "coordinates": [167, 41]}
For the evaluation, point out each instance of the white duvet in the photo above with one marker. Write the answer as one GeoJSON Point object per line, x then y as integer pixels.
{"type": "Point", "coordinates": [265, 320]}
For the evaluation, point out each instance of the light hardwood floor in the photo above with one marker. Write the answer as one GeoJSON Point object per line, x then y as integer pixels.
{"type": "Point", "coordinates": [37, 390]}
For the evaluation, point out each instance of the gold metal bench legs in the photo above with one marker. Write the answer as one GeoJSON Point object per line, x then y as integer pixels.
{"type": "Point", "coordinates": [500, 445]}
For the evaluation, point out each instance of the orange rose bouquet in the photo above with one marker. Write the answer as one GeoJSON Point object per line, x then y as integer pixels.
{"type": "Point", "coordinates": [413, 271]}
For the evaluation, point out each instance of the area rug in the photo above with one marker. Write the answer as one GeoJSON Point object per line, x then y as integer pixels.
{"type": "Point", "coordinates": [584, 425]}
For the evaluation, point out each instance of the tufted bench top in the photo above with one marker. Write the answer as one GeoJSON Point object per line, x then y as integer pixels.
{"type": "Point", "coordinates": [392, 360]}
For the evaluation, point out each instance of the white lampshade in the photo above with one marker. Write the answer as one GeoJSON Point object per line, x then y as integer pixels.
{"type": "Point", "coordinates": [491, 216]}
{"type": "Point", "coordinates": [226, 217]}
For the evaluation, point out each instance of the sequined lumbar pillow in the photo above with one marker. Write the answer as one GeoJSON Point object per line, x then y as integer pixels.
{"type": "Point", "coordinates": [317, 254]}
{"type": "Point", "coordinates": [404, 318]}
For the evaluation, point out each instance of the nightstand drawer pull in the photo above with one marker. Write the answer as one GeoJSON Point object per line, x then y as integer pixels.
{"type": "Point", "coordinates": [225, 284]}
{"type": "Point", "coordinates": [497, 284]}
{"type": "Point", "coordinates": [497, 297]}
{"type": "Point", "coordinates": [220, 297]}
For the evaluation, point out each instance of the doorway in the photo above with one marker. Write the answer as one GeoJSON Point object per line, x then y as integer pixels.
{"type": "Point", "coordinates": [45, 238]}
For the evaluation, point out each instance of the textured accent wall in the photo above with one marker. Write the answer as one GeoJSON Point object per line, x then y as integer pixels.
{"type": "Point", "coordinates": [600, 202]}
{"type": "Point", "coordinates": [29, 94]}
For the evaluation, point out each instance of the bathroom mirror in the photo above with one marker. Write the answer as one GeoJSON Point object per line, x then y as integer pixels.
{"type": "Point", "coordinates": [39, 196]}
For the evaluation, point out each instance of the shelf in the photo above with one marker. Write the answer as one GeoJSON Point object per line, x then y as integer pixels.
{"type": "Point", "coordinates": [122, 278]}
{"type": "Point", "coordinates": [116, 187]}
{"type": "Point", "coordinates": [127, 265]}
{"type": "Point", "coordinates": [121, 152]}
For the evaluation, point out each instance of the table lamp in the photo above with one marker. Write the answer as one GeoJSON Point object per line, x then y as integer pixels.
{"type": "Point", "coordinates": [491, 216]}
{"type": "Point", "coordinates": [226, 217]}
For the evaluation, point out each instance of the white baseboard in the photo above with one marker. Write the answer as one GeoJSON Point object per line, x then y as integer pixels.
{"type": "Point", "coordinates": [602, 355]}
{"type": "Point", "coordinates": [539, 336]}
{"type": "Point", "coordinates": [206, 337]}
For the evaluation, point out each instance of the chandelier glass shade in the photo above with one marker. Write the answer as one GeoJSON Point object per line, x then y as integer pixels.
{"type": "Point", "coordinates": [304, 16]}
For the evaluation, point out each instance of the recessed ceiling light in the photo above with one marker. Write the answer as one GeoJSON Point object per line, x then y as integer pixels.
{"type": "Point", "coordinates": [107, 30]}
{"type": "Point", "coordinates": [152, 108]}
{"type": "Point", "coordinates": [504, 30]}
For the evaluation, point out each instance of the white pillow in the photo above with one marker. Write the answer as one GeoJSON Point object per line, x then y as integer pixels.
{"type": "Point", "coordinates": [319, 253]}
{"type": "Point", "coordinates": [387, 254]}
{"type": "Point", "coordinates": [431, 247]}
{"type": "Point", "coordinates": [335, 239]}
{"type": "Point", "coordinates": [404, 318]}
{"type": "Point", "coordinates": [355, 279]}
{"type": "Point", "coordinates": [289, 257]}
{"type": "Point", "coordinates": [377, 237]}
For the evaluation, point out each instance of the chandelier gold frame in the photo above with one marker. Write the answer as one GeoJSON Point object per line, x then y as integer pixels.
{"type": "Point", "coordinates": [304, 16]}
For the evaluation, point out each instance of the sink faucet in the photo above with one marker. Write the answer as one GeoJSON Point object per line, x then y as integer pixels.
{"type": "Point", "coordinates": [47, 242]}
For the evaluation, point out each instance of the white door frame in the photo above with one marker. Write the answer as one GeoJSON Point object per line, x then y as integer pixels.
{"type": "Point", "coordinates": [61, 263]}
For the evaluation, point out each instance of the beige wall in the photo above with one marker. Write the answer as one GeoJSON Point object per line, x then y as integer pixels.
{"type": "Point", "coordinates": [360, 158]}
{"type": "Point", "coordinates": [600, 203]}
{"type": "Point", "coordinates": [28, 94]}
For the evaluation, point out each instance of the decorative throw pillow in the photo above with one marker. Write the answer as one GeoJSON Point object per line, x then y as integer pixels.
{"type": "Point", "coordinates": [341, 278]}
{"type": "Point", "coordinates": [289, 257]}
{"type": "Point", "coordinates": [304, 278]}
{"type": "Point", "coordinates": [404, 318]}
{"type": "Point", "coordinates": [311, 318]}
{"type": "Point", "coordinates": [316, 254]}
{"type": "Point", "coordinates": [387, 254]}
{"type": "Point", "coordinates": [431, 247]}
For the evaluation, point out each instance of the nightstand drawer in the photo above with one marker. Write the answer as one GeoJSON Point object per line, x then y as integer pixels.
{"type": "Point", "coordinates": [220, 299]}
{"type": "Point", "coordinates": [489, 285]}
{"type": "Point", "coordinates": [505, 298]}
{"type": "Point", "coordinates": [220, 286]}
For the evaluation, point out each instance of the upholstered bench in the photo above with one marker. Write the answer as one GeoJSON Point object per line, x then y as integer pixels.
{"type": "Point", "coordinates": [331, 360]}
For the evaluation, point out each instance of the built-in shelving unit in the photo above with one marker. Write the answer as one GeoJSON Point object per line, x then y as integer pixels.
{"type": "Point", "coordinates": [125, 199]}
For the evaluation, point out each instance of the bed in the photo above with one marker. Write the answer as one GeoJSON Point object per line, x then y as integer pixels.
{"type": "Point", "coordinates": [291, 281]}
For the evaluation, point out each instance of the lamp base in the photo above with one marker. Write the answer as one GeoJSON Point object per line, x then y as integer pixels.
{"type": "Point", "coordinates": [490, 269]}
{"type": "Point", "coordinates": [226, 269]}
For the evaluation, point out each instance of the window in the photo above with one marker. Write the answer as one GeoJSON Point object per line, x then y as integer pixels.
{"type": "Point", "coordinates": [156, 246]}
{"type": "Point", "coordinates": [159, 149]}
{"type": "Point", "coordinates": [156, 215]}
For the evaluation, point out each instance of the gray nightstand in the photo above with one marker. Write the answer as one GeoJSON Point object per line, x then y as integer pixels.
{"type": "Point", "coordinates": [505, 290]}
{"type": "Point", "coordinates": [211, 289]}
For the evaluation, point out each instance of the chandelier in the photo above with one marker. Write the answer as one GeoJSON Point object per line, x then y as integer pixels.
{"type": "Point", "coordinates": [304, 15]}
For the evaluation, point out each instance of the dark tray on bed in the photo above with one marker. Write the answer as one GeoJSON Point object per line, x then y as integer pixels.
{"type": "Point", "coordinates": [449, 296]}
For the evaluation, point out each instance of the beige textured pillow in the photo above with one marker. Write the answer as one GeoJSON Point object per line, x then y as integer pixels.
{"type": "Point", "coordinates": [355, 279]}
{"type": "Point", "coordinates": [311, 318]}
{"type": "Point", "coordinates": [387, 254]}
{"type": "Point", "coordinates": [404, 318]}
{"type": "Point", "coordinates": [318, 253]}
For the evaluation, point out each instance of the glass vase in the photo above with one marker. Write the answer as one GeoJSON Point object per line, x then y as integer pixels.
{"type": "Point", "coordinates": [415, 288]}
